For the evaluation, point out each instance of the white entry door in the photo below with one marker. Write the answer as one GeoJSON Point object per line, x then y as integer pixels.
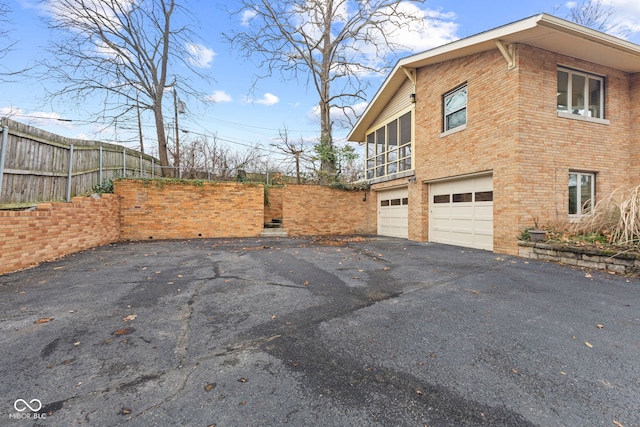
{"type": "Point", "coordinates": [461, 212]}
{"type": "Point", "coordinates": [393, 213]}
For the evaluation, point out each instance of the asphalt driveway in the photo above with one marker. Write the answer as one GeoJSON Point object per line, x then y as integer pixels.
{"type": "Point", "coordinates": [304, 332]}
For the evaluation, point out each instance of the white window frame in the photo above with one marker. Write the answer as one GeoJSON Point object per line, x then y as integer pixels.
{"type": "Point", "coordinates": [390, 160]}
{"type": "Point", "coordinates": [572, 112]}
{"type": "Point", "coordinates": [582, 212]}
{"type": "Point", "coordinates": [445, 123]}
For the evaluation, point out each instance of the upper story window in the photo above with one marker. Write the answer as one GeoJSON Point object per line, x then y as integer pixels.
{"type": "Point", "coordinates": [455, 108]}
{"type": "Point", "coordinates": [389, 148]}
{"type": "Point", "coordinates": [580, 94]}
{"type": "Point", "coordinates": [582, 193]}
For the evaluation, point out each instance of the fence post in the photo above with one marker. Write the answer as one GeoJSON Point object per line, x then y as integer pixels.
{"type": "Point", "coordinates": [153, 168]}
{"type": "Point", "coordinates": [141, 165]}
{"type": "Point", "coordinates": [100, 167]}
{"type": "Point", "coordinates": [3, 150]}
{"type": "Point", "coordinates": [70, 174]}
{"type": "Point", "coordinates": [124, 162]}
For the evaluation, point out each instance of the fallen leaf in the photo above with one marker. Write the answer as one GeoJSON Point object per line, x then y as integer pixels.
{"type": "Point", "coordinates": [515, 371]}
{"type": "Point", "coordinates": [244, 402]}
{"type": "Point", "coordinates": [306, 283]}
{"type": "Point", "coordinates": [76, 343]}
{"type": "Point", "coordinates": [588, 275]}
{"type": "Point", "coordinates": [123, 331]}
{"type": "Point", "coordinates": [563, 373]}
{"type": "Point", "coordinates": [130, 317]}
{"type": "Point", "coordinates": [617, 424]}
{"type": "Point", "coordinates": [210, 387]}
{"type": "Point", "coordinates": [588, 344]}
{"type": "Point", "coordinates": [474, 292]}
{"type": "Point", "coordinates": [274, 317]}
{"type": "Point", "coordinates": [44, 320]}
{"type": "Point", "coordinates": [599, 326]}
{"type": "Point", "coordinates": [126, 411]}
{"type": "Point", "coordinates": [242, 380]}
{"type": "Point", "coordinates": [179, 275]}
{"type": "Point", "coordinates": [72, 311]}
{"type": "Point", "coordinates": [419, 391]}
{"type": "Point", "coordinates": [58, 268]}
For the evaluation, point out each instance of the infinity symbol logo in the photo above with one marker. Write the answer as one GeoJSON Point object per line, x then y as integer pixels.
{"type": "Point", "coordinates": [21, 405]}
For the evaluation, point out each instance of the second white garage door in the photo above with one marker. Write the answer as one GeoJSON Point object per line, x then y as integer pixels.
{"type": "Point", "coordinates": [393, 213]}
{"type": "Point", "coordinates": [461, 212]}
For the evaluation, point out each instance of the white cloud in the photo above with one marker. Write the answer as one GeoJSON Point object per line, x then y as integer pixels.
{"type": "Point", "coordinates": [219, 96]}
{"type": "Point", "coordinates": [626, 15]}
{"type": "Point", "coordinates": [199, 55]}
{"type": "Point", "coordinates": [341, 117]}
{"type": "Point", "coordinates": [268, 99]}
{"type": "Point", "coordinates": [247, 16]}
{"type": "Point", "coordinates": [624, 22]}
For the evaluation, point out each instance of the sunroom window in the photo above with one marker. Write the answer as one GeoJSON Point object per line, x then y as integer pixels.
{"type": "Point", "coordinates": [582, 193]}
{"type": "Point", "coordinates": [580, 93]}
{"type": "Point", "coordinates": [389, 148]}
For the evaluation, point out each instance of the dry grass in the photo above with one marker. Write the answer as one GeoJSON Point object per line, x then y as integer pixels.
{"type": "Point", "coordinates": [616, 216]}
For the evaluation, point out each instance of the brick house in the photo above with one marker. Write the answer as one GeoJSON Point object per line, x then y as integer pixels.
{"type": "Point", "coordinates": [471, 142]}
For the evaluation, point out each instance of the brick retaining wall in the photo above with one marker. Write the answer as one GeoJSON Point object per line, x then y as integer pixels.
{"type": "Point", "coordinates": [56, 229]}
{"type": "Point", "coordinates": [165, 209]}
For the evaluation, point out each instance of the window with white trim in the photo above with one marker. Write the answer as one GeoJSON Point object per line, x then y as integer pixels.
{"type": "Point", "coordinates": [455, 108]}
{"type": "Point", "coordinates": [582, 194]}
{"type": "Point", "coordinates": [389, 148]}
{"type": "Point", "coordinates": [580, 93]}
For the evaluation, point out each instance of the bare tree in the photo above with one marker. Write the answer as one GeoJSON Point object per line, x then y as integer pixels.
{"type": "Point", "coordinates": [126, 51]}
{"type": "Point", "coordinates": [291, 148]}
{"type": "Point", "coordinates": [593, 14]}
{"type": "Point", "coordinates": [334, 43]}
{"type": "Point", "coordinates": [6, 44]}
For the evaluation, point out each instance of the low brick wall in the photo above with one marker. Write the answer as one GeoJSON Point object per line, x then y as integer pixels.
{"type": "Point", "coordinates": [166, 209]}
{"type": "Point", "coordinates": [56, 229]}
{"type": "Point", "coordinates": [581, 257]}
{"type": "Point", "coordinates": [310, 210]}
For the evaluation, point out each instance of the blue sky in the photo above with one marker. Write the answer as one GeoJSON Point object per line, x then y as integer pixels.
{"type": "Point", "coordinates": [242, 116]}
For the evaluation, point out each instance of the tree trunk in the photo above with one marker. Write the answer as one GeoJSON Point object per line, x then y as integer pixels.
{"type": "Point", "coordinates": [162, 139]}
{"type": "Point", "coordinates": [327, 161]}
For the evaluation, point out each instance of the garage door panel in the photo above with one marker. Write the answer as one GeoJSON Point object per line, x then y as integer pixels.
{"type": "Point", "coordinates": [457, 218]}
{"type": "Point", "coordinates": [393, 213]}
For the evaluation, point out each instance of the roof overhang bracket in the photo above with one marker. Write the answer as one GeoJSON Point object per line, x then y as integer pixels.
{"type": "Point", "coordinates": [411, 74]}
{"type": "Point", "coordinates": [508, 51]}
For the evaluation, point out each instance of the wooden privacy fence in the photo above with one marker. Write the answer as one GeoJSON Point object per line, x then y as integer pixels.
{"type": "Point", "coordinates": [38, 166]}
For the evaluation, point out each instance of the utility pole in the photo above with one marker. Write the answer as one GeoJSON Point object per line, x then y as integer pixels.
{"type": "Point", "coordinates": [178, 107]}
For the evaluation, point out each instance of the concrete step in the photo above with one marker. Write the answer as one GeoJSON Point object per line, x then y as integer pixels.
{"type": "Point", "coordinates": [274, 232]}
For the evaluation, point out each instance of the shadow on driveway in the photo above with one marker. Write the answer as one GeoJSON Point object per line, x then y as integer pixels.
{"type": "Point", "coordinates": [333, 332]}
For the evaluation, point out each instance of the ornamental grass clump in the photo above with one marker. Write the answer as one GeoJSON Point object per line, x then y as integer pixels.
{"type": "Point", "coordinates": [616, 216]}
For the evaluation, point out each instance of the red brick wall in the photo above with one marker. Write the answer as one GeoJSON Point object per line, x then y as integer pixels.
{"type": "Point", "coordinates": [316, 210]}
{"type": "Point", "coordinates": [635, 130]}
{"type": "Point", "coordinates": [514, 131]}
{"type": "Point", "coordinates": [163, 209]}
{"type": "Point", "coordinates": [56, 229]}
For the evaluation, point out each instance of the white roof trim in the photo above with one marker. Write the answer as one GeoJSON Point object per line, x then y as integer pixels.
{"type": "Point", "coordinates": [543, 31]}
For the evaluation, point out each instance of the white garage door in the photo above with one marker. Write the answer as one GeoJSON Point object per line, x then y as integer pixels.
{"type": "Point", "coordinates": [461, 212]}
{"type": "Point", "coordinates": [393, 213]}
